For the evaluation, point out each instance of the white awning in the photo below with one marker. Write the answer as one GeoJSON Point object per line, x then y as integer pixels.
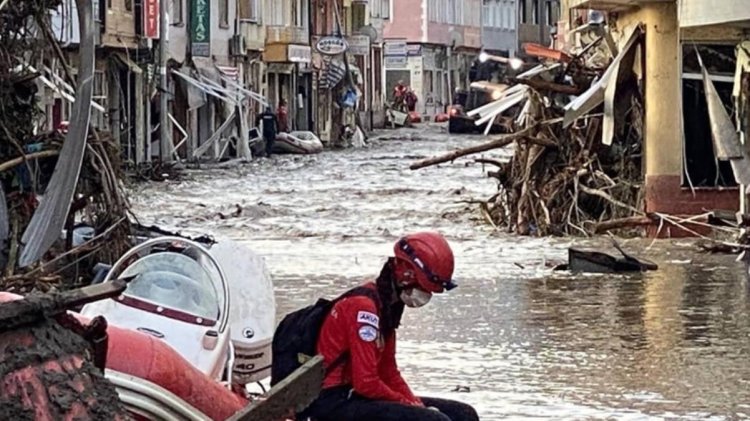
{"type": "Point", "coordinates": [602, 89]}
{"type": "Point", "coordinates": [61, 88]}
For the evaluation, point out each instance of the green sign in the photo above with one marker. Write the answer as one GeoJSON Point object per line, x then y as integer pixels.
{"type": "Point", "coordinates": [200, 28]}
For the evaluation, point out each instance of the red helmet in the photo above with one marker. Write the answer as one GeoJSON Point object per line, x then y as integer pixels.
{"type": "Point", "coordinates": [431, 257]}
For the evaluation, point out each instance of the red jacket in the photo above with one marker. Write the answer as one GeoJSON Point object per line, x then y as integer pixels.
{"type": "Point", "coordinates": [371, 368]}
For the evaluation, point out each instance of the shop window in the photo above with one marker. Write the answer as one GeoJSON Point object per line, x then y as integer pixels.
{"type": "Point", "coordinates": [550, 13]}
{"type": "Point", "coordinates": [359, 16]}
{"type": "Point", "coordinates": [486, 10]}
{"type": "Point", "coordinates": [702, 169]}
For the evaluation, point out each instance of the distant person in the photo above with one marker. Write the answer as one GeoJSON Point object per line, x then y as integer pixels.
{"type": "Point", "coordinates": [270, 128]}
{"type": "Point", "coordinates": [399, 95]}
{"type": "Point", "coordinates": [282, 114]}
{"type": "Point", "coordinates": [411, 100]}
{"type": "Point", "coordinates": [358, 340]}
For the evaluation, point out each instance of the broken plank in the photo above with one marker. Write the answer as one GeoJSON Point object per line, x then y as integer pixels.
{"type": "Point", "coordinates": [543, 85]}
{"type": "Point", "coordinates": [289, 396]}
{"type": "Point", "coordinates": [37, 307]}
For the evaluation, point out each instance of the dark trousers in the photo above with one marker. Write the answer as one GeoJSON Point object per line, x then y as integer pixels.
{"type": "Point", "coordinates": [269, 143]}
{"type": "Point", "coordinates": [336, 405]}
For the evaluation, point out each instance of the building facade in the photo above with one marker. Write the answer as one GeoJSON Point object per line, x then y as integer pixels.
{"type": "Point", "coordinates": [537, 22]}
{"type": "Point", "coordinates": [288, 59]}
{"type": "Point", "coordinates": [121, 81]}
{"type": "Point", "coordinates": [432, 45]}
{"type": "Point", "coordinates": [681, 171]}
{"type": "Point", "coordinates": [500, 27]}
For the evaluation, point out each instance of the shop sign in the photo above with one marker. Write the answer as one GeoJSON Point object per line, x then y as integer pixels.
{"type": "Point", "coordinates": [331, 46]}
{"type": "Point", "coordinates": [395, 62]}
{"type": "Point", "coordinates": [151, 18]}
{"type": "Point", "coordinates": [299, 53]}
{"type": "Point", "coordinates": [359, 45]}
{"type": "Point", "coordinates": [200, 28]}
{"type": "Point", "coordinates": [395, 48]}
{"type": "Point", "coordinates": [414, 50]}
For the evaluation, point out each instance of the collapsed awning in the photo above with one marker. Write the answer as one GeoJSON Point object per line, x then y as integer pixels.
{"type": "Point", "coordinates": [233, 83]}
{"type": "Point", "coordinates": [127, 62]}
{"type": "Point", "coordinates": [726, 139]}
{"type": "Point", "coordinates": [604, 89]}
{"type": "Point", "coordinates": [509, 97]}
{"type": "Point", "coordinates": [60, 87]}
{"type": "Point", "coordinates": [206, 86]}
{"type": "Point", "coordinates": [232, 73]}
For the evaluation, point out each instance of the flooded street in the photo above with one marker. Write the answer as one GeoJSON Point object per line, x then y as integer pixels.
{"type": "Point", "coordinates": [527, 343]}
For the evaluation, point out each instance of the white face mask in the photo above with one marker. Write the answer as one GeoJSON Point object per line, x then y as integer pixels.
{"type": "Point", "coordinates": [415, 298]}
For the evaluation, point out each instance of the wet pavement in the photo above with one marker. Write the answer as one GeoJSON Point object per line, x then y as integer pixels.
{"type": "Point", "coordinates": [527, 344]}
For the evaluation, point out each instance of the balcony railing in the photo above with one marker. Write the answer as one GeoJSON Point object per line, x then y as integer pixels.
{"type": "Point", "coordinates": [286, 35]}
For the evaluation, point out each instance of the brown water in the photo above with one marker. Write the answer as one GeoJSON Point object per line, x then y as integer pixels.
{"type": "Point", "coordinates": [529, 344]}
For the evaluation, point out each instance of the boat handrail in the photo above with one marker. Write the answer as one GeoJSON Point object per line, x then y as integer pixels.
{"type": "Point", "coordinates": [122, 262]}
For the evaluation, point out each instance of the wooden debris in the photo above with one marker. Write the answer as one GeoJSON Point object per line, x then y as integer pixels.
{"type": "Point", "coordinates": [289, 396]}
{"type": "Point", "coordinates": [499, 142]}
{"type": "Point", "coordinates": [564, 178]}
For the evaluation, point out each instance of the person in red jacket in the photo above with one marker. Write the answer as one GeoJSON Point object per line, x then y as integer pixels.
{"type": "Point", "coordinates": [358, 340]}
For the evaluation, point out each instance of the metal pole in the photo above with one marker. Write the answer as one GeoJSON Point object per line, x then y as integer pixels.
{"type": "Point", "coordinates": [165, 140]}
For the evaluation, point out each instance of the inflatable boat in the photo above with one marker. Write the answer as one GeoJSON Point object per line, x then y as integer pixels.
{"type": "Point", "coordinates": [297, 143]}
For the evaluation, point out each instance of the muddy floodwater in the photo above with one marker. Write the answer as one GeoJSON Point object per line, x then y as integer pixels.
{"type": "Point", "coordinates": [525, 343]}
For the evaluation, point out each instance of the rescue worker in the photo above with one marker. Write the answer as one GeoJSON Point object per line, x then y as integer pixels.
{"type": "Point", "coordinates": [358, 341]}
{"type": "Point", "coordinates": [270, 128]}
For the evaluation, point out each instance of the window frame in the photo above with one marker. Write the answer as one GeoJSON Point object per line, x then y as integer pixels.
{"type": "Point", "coordinates": [252, 9]}
{"type": "Point", "coordinates": [224, 14]}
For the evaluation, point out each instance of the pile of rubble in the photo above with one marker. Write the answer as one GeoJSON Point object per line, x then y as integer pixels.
{"type": "Point", "coordinates": [576, 123]}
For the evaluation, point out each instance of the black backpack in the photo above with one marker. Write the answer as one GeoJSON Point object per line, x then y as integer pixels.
{"type": "Point", "coordinates": [296, 338]}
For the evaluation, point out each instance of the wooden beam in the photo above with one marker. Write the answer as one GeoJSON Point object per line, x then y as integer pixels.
{"type": "Point", "coordinates": [543, 85]}
{"type": "Point", "coordinates": [35, 308]}
{"type": "Point", "coordinates": [496, 143]}
{"type": "Point", "coordinates": [291, 395]}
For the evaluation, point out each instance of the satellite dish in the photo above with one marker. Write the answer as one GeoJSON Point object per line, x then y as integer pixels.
{"type": "Point", "coordinates": [456, 37]}
{"type": "Point", "coordinates": [370, 31]}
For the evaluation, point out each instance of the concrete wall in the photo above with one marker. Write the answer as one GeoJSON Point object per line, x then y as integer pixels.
{"type": "Point", "coordinates": [220, 35]}
{"type": "Point", "coordinates": [499, 39]}
{"type": "Point", "coordinates": [178, 35]}
{"type": "Point", "coordinates": [702, 12]}
{"type": "Point", "coordinates": [407, 21]}
{"type": "Point", "coordinates": [410, 21]}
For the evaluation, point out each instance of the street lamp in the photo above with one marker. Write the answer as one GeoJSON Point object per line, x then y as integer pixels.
{"type": "Point", "coordinates": [515, 63]}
